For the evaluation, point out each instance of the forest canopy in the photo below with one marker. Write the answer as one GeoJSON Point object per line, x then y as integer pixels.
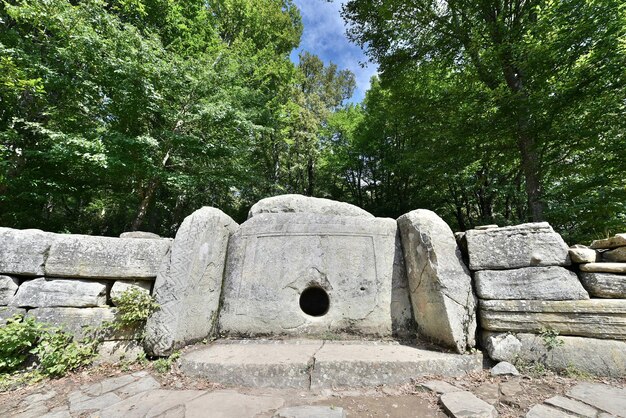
{"type": "Point", "coordinates": [130, 114]}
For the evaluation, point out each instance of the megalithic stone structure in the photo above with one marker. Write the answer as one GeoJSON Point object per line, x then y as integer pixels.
{"type": "Point", "coordinates": [188, 285]}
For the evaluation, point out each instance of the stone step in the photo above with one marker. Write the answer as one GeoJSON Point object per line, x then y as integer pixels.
{"type": "Point", "coordinates": [317, 364]}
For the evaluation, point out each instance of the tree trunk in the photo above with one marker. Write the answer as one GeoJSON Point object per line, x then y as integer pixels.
{"type": "Point", "coordinates": [530, 166]}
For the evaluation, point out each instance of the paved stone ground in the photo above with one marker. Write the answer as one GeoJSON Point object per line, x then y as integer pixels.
{"type": "Point", "coordinates": [108, 392]}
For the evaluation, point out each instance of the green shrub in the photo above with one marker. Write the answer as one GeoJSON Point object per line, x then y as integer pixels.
{"type": "Point", "coordinates": [58, 353]}
{"type": "Point", "coordinates": [133, 308]}
{"type": "Point", "coordinates": [17, 338]}
{"type": "Point", "coordinates": [550, 339]}
{"type": "Point", "coordinates": [54, 352]}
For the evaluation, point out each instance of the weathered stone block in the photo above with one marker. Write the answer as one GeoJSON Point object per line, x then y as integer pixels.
{"type": "Point", "coordinates": [546, 283]}
{"type": "Point", "coordinates": [581, 254]}
{"type": "Point", "coordinates": [604, 267]}
{"type": "Point", "coordinates": [43, 292]}
{"type": "Point", "coordinates": [139, 234]}
{"type": "Point", "coordinates": [466, 404]}
{"type": "Point", "coordinates": [617, 255]}
{"type": "Point", "coordinates": [339, 269]}
{"type": "Point", "coordinates": [24, 252]}
{"type": "Point", "coordinates": [7, 312]}
{"type": "Point", "coordinates": [189, 283]}
{"type": "Point", "coordinates": [81, 322]}
{"type": "Point", "coordinates": [590, 355]}
{"type": "Point", "coordinates": [121, 286]}
{"type": "Point", "coordinates": [8, 287]}
{"type": "Point", "coordinates": [619, 240]}
{"type": "Point", "coordinates": [604, 285]}
{"type": "Point", "coordinates": [295, 203]}
{"type": "Point", "coordinates": [105, 257]}
{"type": "Point", "coordinates": [440, 283]}
{"type": "Point", "coordinates": [526, 245]}
{"type": "Point", "coordinates": [596, 318]}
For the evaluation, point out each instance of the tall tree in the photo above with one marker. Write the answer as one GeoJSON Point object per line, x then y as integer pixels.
{"type": "Point", "coordinates": [536, 58]}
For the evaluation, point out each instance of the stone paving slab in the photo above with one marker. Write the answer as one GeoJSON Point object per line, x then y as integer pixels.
{"type": "Point", "coordinates": [318, 364]}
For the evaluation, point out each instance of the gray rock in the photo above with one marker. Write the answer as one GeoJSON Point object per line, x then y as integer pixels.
{"type": "Point", "coordinates": [526, 245]}
{"type": "Point", "coordinates": [545, 283]}
{"type": "Point", "coordinates": [619, 240]}
{"type": "Point", "coordinates": [189, 283]}
{"type": "Point", "coordinates": [157, 403]}
{"type": "Point", "coordinates": [544, 411]}
{"type": "Point", "coordinates": [310, 411]}
{"type": "Point", "coordinates": [24, 252]}
{"type": "Point", "coordinates": [589, 355]}
{"type": "Point", "coordinates": [440, 283]}
{"type": "Point", "coordinates": [572, 406]}
{"type": "Point", "coordinates": [107, 385]}
{"type": "Point", "coordinates": [121, 286]}
{"type": "Point", "coordinates": [595, 318]}
{"type": "Point", "coordinates": [604, 267]}
{"type": "Point", "coordinates": [80, 402]}
{"type": "Point", "coordinates": [44, 292]}
{"type": "Point", "coordinates": [8, 287]}
{"type": "Point", "coordinates": [501, 346]}
{"type": "Point", "coordinates": [616, 255]}
{"type": "Point", "coordinates": [143, 384]}
{"type": "Point", "coordinates": [604, 397]}
{"type": "Point", "coordinates": [511, 388]}
{"type": "Point", "coordinates": [295, 203]}
{"type": "Point", "coordinates": [139, 234]}
{"type": "Point", "coordinates": [604, 285]}
{"type": "Point", "coordinates": [484, 227]}
{"type": "Point", "coordinates": [504, 368]}
{"type": "Point", "coordinates": [466, 405]}
{"type": "Point", "coordinates": [113, 352]}
{"type": "Point", "coordinates": [581, 254]}
{"type": "Point", "coordinates": [348, 267]}
{"type": "Point", "coordinates": [439, 386]}
{"type": "Point", "coordinates": [105, 257]}
{"type": "Point", "coordinates": [311, 364]}
{"type": "Point", "coordinates": [7, 312]}
{"type": "Point", "coordinates": [81, 322]}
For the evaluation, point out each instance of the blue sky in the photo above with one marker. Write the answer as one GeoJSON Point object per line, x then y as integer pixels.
{"type": "Point", "coordinates": [324, 35]}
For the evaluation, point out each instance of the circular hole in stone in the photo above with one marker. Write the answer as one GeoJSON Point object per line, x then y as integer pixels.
{"type": "Point", "coordinates": [314, 301]}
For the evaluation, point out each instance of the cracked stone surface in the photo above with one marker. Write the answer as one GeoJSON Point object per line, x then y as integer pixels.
{"type": "Point", "coordinates": [274, 257]}
{"type": "Point", "coordinates": [440, 284]}
{"type": "Point", "coordinates": [316, 364]}
{"type": "Point", "coordinates": [586, 399]}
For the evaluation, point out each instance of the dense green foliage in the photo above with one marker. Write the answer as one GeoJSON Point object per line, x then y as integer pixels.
{"type": "Point", "coordinates": [497, 110]}
{"type": "Point", "coordinates": [53, 351]}
{"type": "Point", "coordinates": [130, 114]}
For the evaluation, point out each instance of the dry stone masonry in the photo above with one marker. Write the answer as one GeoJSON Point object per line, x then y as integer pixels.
{"type": "Point", "coordinates": [71, 280]}
{"type": "Point", "coordinates": [313, 269]}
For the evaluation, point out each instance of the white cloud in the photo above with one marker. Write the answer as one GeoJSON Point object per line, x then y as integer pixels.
{"type": "Point", "coordinates": [325, 36]}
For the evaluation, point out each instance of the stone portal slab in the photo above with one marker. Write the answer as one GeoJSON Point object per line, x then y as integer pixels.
{"type": "Point", "coordinates": [274, 258]}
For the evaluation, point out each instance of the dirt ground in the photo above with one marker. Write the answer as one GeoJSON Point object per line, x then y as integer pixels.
{"type": "Point", "coordinates": [512, 396]}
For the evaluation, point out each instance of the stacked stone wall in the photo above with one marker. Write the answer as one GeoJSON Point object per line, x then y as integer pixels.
{"type": "Point", "coordinates": [71, 280]}
{"type": "Point", "coordinates": [536, 305]}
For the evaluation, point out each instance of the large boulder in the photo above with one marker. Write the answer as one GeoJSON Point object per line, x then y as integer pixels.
{"type": "Point", "coordinates": [7, 312]}
{"type": "Point", "coordinates": [440, 284]}
{"type": "Point", "coordinates": [295, 203]}
{"type": "Point", "coordinates": [24, 252]}
{"type": "Point", "coordinates": [526, 245]}
{"type": "Point", "coordinates": [8, 287]}
{"type": "Point", "coordinates": [44, 292]}
{"type": "Point", "coordinates": [590, 355]}
{"type": "Point", "coordinates": [189, 282]}
{"type": "Point", "coordinates": [604, 285]}
{"type": "Point", "coordinates": [89, 256]}
{"type": "Point", "coordinates": [595, 318]}
{"type": "Point", "coordinates": [616, 255]}
{"type": "Point", "coordinates": [546, 283]}
{"type": "Point", "coordinates": [309, 273]}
